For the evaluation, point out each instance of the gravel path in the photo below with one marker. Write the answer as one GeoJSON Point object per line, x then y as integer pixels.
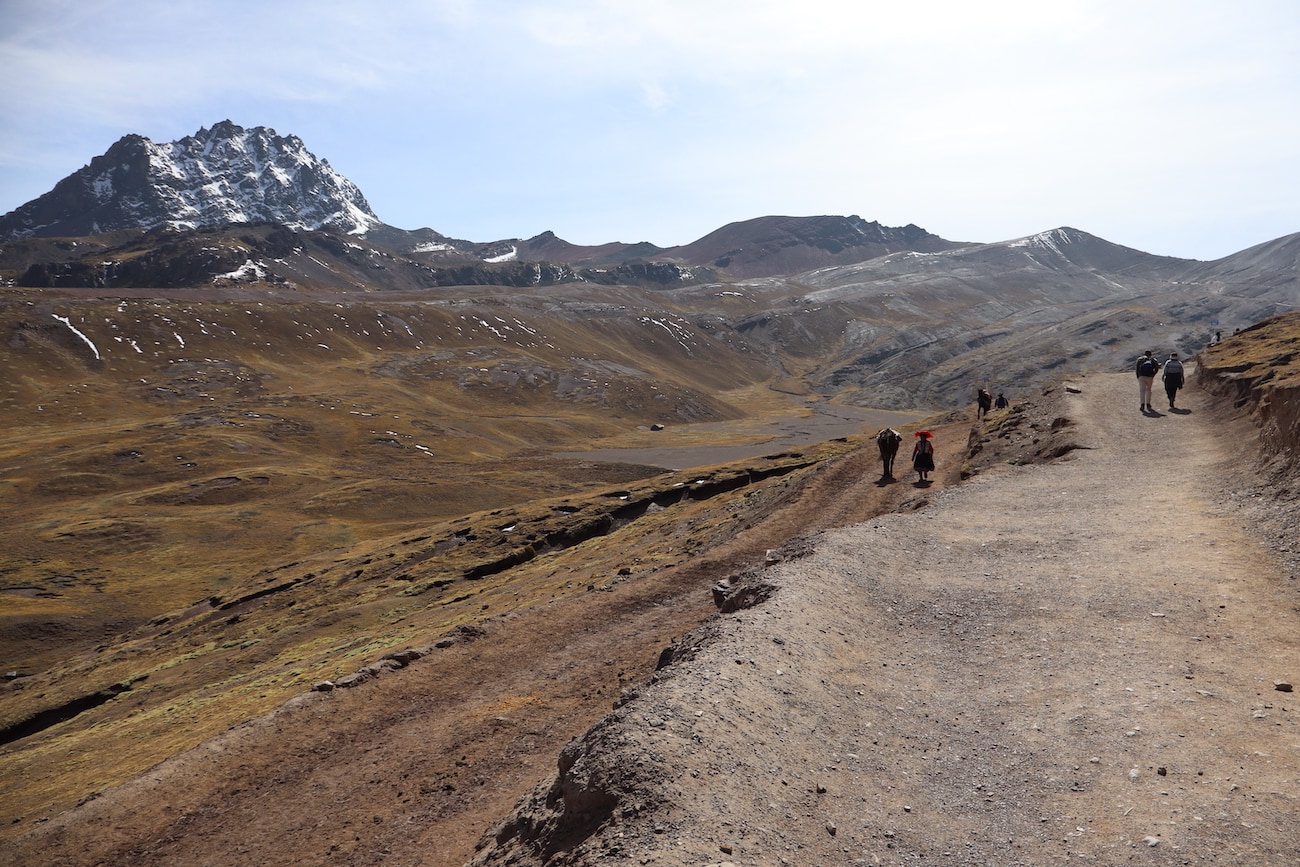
{"type": "Point", "coordinates": [1051, 664]}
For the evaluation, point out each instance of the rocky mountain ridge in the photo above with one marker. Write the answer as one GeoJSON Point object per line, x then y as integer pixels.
{"type": "Point", "coordinates": [901, 330]}
{"type": "Point", "coordinates": [839, 306]}
{"type": "Point", "coordinates": [225, 174]}
{"type": "Point", "coordinates": [140, 194]}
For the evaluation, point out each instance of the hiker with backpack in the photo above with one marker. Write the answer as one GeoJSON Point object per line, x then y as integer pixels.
{"type": "Point", "coordinates": [923, 455]}
{"type": "Point", "coordinates": [1147, 368]}
{"type": "Point", "coordinates": [1173, 377]}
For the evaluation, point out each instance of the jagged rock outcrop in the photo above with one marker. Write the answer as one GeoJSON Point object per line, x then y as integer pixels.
{"type": "Point", "coordinates": [226, 174]}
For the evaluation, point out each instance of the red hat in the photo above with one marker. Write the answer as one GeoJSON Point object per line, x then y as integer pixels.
{"type": "Point", "coordinates": [924, 433]}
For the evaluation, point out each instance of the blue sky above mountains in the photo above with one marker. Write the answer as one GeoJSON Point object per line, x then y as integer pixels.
{"type": "Point", "coordinates": [1166, 126]}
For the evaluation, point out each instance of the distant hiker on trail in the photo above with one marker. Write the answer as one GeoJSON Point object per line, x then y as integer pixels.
{"type": "Point", "coordinates": [1173, 377]}
{"type": "Point", "coordinates": [1147, 368]}
{"type": "Point", "coordinates": [1002, 402]}
{"type": "Point", "coordinates": [887, 440]}
{"type": "Point", "coordinates": [923, 455]}
{"type": "Point", "coordinates": [984, 403]}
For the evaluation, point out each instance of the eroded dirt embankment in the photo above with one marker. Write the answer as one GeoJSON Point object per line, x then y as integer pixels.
{"type": "Point", "coordinates": [1258, 372]}
{"type": "Point", "coordinates": [1255, 378]}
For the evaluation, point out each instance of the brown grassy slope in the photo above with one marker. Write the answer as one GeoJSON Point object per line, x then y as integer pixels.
{"type": "Point", "coordinates": [214, 437]}
{"type": "Point", "coordinates": [203, 667]}
{"type": "Point", "coordinates": [241, 497]}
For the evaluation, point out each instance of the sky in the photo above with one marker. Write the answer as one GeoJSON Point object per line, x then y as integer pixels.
{"type": "Point", "coordinates": [1170, 126]}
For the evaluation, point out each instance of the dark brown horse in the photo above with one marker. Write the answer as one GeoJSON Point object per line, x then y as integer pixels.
{"type": "Point", "coordinates": [887, 440]}
{"type": "Point", "coordinates": [985, 402]}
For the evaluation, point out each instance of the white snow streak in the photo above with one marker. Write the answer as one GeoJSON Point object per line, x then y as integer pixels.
{"type": "Point", "coordinates": [68, 323]}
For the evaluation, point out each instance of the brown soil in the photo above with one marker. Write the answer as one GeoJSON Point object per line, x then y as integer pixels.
{"type": "Point", "coordinates": [980, 672]}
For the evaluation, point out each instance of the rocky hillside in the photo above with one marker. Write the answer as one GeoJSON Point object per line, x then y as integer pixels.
{"type": "Point", "coordinates": [225, 174]}
{"type": "Point", "coordinates": [901, 330]}
{"type": "Point", "coordinates": [791, 245]}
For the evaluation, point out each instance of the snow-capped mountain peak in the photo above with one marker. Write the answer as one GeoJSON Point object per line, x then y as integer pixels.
{"type": "Point", "coordinates": [225, 174]}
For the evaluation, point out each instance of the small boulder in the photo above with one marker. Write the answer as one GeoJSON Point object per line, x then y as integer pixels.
{"type": "Point", "coordinates": [404, 657]}
{"type": "Point", "coordinates": [356, 678]}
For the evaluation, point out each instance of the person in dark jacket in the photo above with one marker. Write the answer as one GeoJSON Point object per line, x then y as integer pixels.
{"type": "Point", "coordinates": [1173, 377]}
{"type": "Point", "coordinates": [1147, 368]}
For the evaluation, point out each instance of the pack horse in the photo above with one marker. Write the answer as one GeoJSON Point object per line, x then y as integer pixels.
{"type": "Point", "coordinates": [887, 440]}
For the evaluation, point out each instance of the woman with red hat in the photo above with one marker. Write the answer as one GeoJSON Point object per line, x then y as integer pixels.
{"type": "Point", "coordinates": [923, 455]}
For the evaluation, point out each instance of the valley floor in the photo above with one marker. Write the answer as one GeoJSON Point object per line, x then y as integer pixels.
{"type": "Point", "coordinates": [1068, 662]}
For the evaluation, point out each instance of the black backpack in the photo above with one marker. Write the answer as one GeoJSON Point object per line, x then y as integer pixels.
{"type": "Point", "coordinates": [1148, 367]}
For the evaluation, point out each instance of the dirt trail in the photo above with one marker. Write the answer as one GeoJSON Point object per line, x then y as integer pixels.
{"type": "Point", "coordinates": [1052, 664]}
